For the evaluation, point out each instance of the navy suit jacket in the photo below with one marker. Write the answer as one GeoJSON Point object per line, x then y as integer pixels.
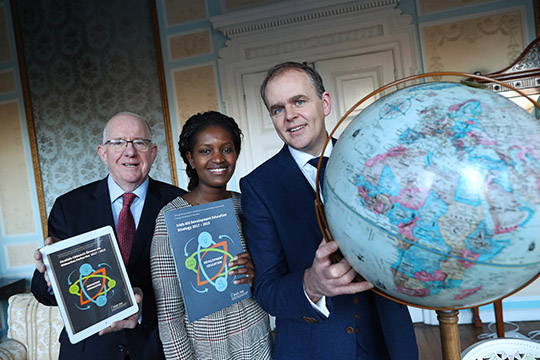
{"type": "Point", "coordinates": [282, 235]}
{"type": "Point", "coordinates": [87, 208]}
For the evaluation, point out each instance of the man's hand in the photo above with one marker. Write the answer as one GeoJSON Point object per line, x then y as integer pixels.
{"type": "Point", "coordinates": [40, 266]}
{"type": "Point", "coordinates": [248, 269]}
{"type": "Point", "coordinates": [129, 322]}
{"type": "Point", "coordinates": [326, 279]}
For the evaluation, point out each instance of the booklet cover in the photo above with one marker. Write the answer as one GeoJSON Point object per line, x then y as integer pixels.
{"type": "Point", "coordinates": [204, 239]}
{"type": "Point", "coordinates": [90, 282]}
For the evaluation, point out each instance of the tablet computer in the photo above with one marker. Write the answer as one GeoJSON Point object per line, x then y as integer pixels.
{"type": "Point", "coordinates": [90, 282]}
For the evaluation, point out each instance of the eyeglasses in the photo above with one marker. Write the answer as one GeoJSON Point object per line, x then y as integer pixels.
{"type": "Point", "coordinates": [121, 144]}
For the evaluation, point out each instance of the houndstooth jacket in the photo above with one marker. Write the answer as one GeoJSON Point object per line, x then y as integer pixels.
{"type": "Point", "coordinates": [240, 331]}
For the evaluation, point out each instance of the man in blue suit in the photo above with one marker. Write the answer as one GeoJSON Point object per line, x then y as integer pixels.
{"type": "Point", "coordinates": [129, 153]}
{"type": "Point", "coordinates": [320, 312]}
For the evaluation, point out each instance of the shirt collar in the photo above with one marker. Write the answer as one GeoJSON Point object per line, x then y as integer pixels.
{"type": "Point", "coordinates": [301, 158]}
{"type": "Point", "coordinates": [116, 191]}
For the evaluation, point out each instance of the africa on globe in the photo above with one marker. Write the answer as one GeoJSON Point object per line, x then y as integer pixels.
{"type": "Point", "coordinates": [433, 195]}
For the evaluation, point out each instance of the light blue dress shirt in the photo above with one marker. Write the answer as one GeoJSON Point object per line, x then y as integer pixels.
{"type": "Point", "coordinates": [117, 201]}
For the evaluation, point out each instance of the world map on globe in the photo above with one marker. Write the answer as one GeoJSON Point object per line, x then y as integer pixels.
{"type": "Point", "coordinates": [433, 195]}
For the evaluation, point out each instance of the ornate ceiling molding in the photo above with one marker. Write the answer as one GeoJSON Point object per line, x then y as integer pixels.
{"type": "Point", "coordinates": [279, 15]}
{"type": "Point", "coordinates": [313, 42]}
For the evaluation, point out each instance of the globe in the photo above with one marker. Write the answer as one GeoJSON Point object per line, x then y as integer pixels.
{"type": "Point", "coordinates": [433, 192]}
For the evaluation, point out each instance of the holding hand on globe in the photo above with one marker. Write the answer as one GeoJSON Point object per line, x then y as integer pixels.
{"type": "Point", "coordinates": [433, 195]}
{"type": "Point", "coordinates": [326, 279]}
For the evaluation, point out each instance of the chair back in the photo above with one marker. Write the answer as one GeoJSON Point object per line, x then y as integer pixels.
{"type": "Point", "coordinates": [503, 348]}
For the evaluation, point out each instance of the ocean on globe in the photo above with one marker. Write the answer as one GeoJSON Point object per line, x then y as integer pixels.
{"type": "Point", "coordinates": [433, 195]}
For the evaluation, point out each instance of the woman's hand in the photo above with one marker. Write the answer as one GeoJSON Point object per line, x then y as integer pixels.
{"type": "Point", "coordinates": [244, 260]}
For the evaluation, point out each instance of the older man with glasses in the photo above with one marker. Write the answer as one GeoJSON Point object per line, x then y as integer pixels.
{"type": "Point", "coordinates": [129, 201]}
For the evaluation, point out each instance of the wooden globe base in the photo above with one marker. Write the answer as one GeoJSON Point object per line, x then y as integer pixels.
{"type": "Point", "coordinates": [451, 348]}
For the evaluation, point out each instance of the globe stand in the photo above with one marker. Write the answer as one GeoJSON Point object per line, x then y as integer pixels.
{"type": "Point", "coordinates": [448, 319]}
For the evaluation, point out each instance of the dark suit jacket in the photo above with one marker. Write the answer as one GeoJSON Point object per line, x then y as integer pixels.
{"type": "Point", "coordinates": [282, 235]}
{"type": "Point", "coordinates": [87, 208]}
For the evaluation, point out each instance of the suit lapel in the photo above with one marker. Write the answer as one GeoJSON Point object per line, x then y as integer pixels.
{"type": "Point", "coordinates": [297, 187]}
{"type": "Point", "coordinates": [99, 208]}
{"type": "Point", "coordinates": [145, 229]}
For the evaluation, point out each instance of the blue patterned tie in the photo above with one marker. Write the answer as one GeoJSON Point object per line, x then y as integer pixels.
{"type": "Point", "coordinates": [314, 162]}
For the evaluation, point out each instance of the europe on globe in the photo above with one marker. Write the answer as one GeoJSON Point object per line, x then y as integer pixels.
{"type": "Point", "coordinates": [433, 195]}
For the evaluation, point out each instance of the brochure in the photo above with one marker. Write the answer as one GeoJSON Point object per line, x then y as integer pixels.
{"type": "Point", "coordinates": [204, 239]}
{"type": "Point", "coordinates": [90, 282]}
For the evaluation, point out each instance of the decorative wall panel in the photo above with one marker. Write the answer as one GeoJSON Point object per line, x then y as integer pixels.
{"type": "Point", "coordinates": [484, 44]}
{"type": "Point", "coordinates": [7, 82]}
{"type": "Point", "coordinates": [15, 196]}
{"type": "Point", "coordinates": [234, 4]}
{"type": "Point", "coordinates": [429, 6]}
{"type": "Point", "coordinates": [19, 255]}
{"type": "Point", "coordinates": [87, 60]}
{"type": "Point", "coordinates": [183, 46]}
{"type": "Point", "coordinates": [179, 12]}
{"type": "Point", "coordinates": [195, 90]}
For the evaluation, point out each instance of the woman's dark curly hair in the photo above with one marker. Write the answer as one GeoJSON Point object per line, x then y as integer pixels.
{"type": "Point", "coordinates": [195, 125]}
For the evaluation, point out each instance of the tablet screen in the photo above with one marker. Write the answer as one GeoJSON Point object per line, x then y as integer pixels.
{"type": "Point", "coordinates": [90, 282]}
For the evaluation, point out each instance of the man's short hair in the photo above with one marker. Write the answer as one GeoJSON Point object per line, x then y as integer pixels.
{"type": "Point", "coordinates": [291, 65]}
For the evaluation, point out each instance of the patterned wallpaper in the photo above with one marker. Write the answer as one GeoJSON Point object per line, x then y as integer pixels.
{"type": "Point", "coordinates": [5, 53]}
{"type": "Point", "coordinates": [87, 60]}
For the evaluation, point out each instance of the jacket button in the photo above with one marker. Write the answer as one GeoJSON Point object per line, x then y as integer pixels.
{"type": "Point", "coordinates": [355, 300]}
{"type": "Point", "coordinates": [309, 319]}
{"type": "Point", "coordinates": [349, 330]}
{"type": "Point", "coordinates": [356, 316]}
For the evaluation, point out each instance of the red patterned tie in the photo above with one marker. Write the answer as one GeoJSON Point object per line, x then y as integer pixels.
{"type": "Point", "coordinates": [126, 227]}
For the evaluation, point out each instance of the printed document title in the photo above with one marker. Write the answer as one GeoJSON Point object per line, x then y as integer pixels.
{"type": "Point", "coordinates": [194, 224]}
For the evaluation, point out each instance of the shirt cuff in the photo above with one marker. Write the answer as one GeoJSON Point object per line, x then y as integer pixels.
{"type": "Point", "coordinates": [320, 305]}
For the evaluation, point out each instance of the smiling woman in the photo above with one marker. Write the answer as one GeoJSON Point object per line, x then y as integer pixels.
{"type": "Point", "coordinates": [209, 144]}
{"type": "Point", "coordinates": [192, 136]}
